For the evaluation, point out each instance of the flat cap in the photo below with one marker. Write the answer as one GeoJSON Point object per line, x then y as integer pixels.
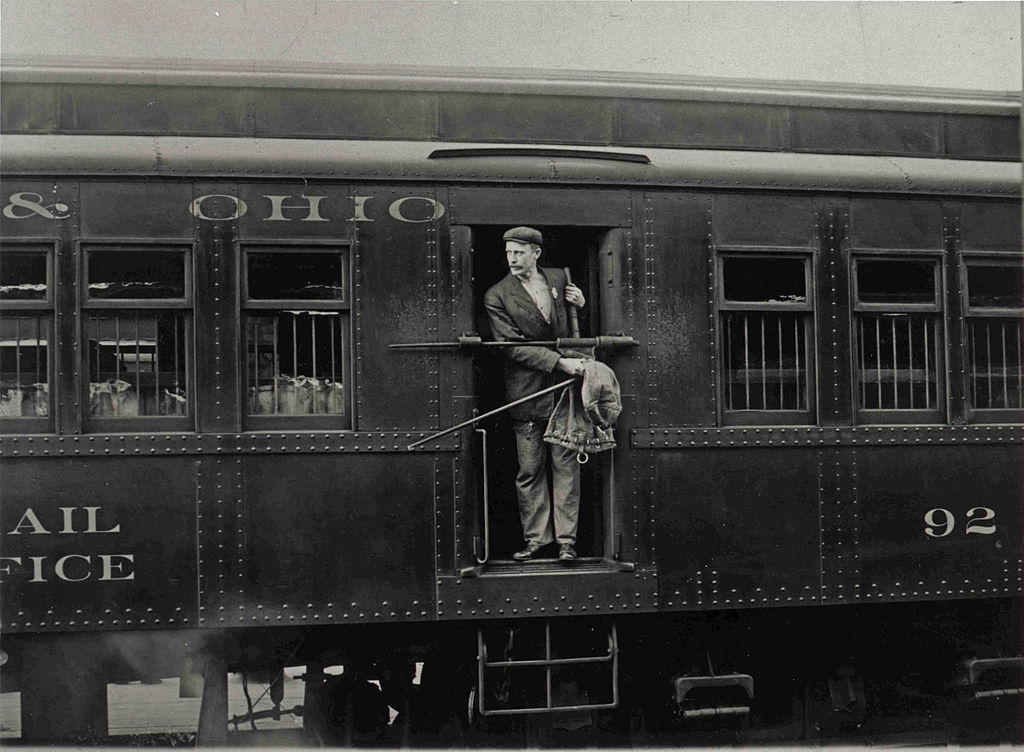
{"type": "Point", "coordinates": [524, 235]}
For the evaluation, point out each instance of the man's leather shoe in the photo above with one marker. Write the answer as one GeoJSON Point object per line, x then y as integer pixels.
{"type": "Point", "coordinates": [527, 553]}
{"type": "Point", "coordinates": [566, 552]}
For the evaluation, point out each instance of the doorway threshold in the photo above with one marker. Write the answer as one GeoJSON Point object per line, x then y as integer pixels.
{"type": "Point", "coordinates": [553, 566]}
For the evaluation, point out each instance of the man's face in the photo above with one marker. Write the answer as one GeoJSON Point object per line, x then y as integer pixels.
{"type": "Point", "coordinates": [522, 258]}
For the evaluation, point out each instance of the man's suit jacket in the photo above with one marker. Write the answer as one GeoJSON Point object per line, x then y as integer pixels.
{"type": "Point", "coordinates": [514, 316]}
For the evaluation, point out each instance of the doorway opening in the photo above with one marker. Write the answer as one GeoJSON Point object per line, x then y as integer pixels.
{"type": "Point", "coordinates": [575, 248]}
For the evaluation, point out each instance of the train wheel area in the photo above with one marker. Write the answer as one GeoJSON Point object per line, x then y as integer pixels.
{"type": "Point", "coordinates": [788, 677]}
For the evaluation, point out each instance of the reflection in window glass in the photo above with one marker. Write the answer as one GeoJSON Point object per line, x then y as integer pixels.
{"type": "Point", "coordinates": [295, 276]}
{"type": "Point", "coordinates": [896, 359]}
{"type": "Point", "coordinates": [996, 352]}
{"type": "Point", "coordinates": [24, 367]}
{"type": "Point", "coordinates": [23, 275]}
{"type": "Point", "coordinates": [990, 286]}
{"type": "Point", "coordinates": [764, 280]}
{"type": "Point", "coordinates": [137, 364]}
{"type": "Point", "coordinates": [896, 281]}
{"type": "Point", "coordinates": [135, 275]}
{"type": "Point", "coordinates": [296, 363]}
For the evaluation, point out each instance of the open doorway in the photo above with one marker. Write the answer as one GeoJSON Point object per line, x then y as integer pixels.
{"type": "Point", "coordinates": [564, 246]}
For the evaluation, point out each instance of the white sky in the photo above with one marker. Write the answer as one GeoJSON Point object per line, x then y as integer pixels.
{"type": "Point", "coordinates": [970, 45]}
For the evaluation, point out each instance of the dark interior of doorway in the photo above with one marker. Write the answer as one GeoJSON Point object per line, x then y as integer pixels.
{"type": "Point", "coordinates": [576, 248]}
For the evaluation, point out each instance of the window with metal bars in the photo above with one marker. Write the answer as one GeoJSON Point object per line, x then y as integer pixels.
{"type": "Point", "coordinates": [994, 305]}
{"type": "Point", "coordinates": [766, 338]}
{"type": "Point", "coordinates": [897, 332]}
{"type": "Point", "coordinates": [137, 336]}
{"type": "Point", "coordinates": [26, 322]}
{"type": "Point", "coordinates": [296, 336]}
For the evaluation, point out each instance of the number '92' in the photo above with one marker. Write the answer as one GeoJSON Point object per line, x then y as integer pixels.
{"type": "Point", "coordinates": [940, 522]}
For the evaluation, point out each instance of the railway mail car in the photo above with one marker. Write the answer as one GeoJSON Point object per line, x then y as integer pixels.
{"type": "Point", "coordinates": [810, 526]}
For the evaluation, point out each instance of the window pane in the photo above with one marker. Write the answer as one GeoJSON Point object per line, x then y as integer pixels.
{"type": "Point", "coordinates": [137, 365]}
{"type": "Point", "coordinates": [896, 281]}
{"type": "Point", "coordinates": [24, 366]}
{"type": "Point", "coordinates": [996, 352]}
{"type": "Point", "coordinates": [775, 280]}
{"type": "Point", "coordinates": [896, 362]}
{"type": "Point", "coordinates": [295, 363]}
{"type": "Point", "coordinates": [120, 275]}
{"type": "Point", "coordinates": [296, 276]}
{"type": "Point", "coordinates": [995, 286]}
{"type": "Point", "coordinates": [23, 275]}
{"type": "Point", "coordinates": [765, 361]}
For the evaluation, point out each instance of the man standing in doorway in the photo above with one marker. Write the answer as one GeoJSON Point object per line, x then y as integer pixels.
{"type": "Point", "coordinates": [529, 304]}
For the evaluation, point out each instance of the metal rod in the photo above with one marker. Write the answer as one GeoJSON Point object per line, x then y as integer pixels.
{"type": "Point", "coordinates": [863, 365]}
{"type": "Point", "coordinates": [927, 375]}
{"type": "Point", "coordinates": [974, 363]}
{"type": "Point", "coordinates": [728, 361]}
{"type": "Point", "coordinates": [547, 654]}
{"type": "Point", "coordinates": [746, 360]}
{"type": "Point", "coordinates": [277, 368]}
{"type": "Point", "coordinates": [782, 395]}
{"type": "Point", "coordinates": [1006, 375]}
{"type": "Point", "coordinates": [988, 359]}
{"type": "Point", "coordinates": [796, 348]}
{"type": "Point", "coordinates": [39, 338]}
{"type": "Point", "coordinates": [764, 367]}
{"type": "Point", "coordinates": [486, 499]}
{"type": "Point", "coordinates": [117, 348]}
{"type": "Point", "coordinates": [312, 334]}
{"type": "Point", "coordinates": [910, 357]}
{"type": "Point", "coordinates": [295, 346]}
{"type": "Point", "coordinates": [895, 385]}
{"type": "Point", "coordinates": [574, 319]}
{"type": "Point", "coordinates": [495, 411]}
{"type": "Point", "coordinates": [333, 322]}
{"type": "Point", "coordinates": [156, 365]}
{"type": "Point", "coordinates": [878, 359]}
{"type": "Point", "coordinates": [1020, 366]}
{"type": "Point", "coordinates": [17, 351]}
{"type": "Point", "coordinates": [176, 355]}
{"type": "Point", "coordinates": [604, 340]}
{"type": "Point", "coordinates": [138, 372]}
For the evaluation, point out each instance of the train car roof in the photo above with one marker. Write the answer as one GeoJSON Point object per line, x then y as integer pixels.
{"type": "Point", "coordinates": [412, 161]}
{"type": "Point", "coordinates": [163, 72]}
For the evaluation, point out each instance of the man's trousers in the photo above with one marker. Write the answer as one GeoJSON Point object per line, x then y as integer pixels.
{"type": "Point", "coordinates": [533, 490]}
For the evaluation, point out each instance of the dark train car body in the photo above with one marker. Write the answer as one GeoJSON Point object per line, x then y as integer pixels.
{"type": "Point", "coordinates": [818, 477]}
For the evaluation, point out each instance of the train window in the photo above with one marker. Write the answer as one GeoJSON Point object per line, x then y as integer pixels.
{"type": "Point", "coordinates": [24, 366]}
{"type": "Point", "coordinates": [995, 337]}
{"type": "Point", "coordinates": [898, 339]}
{"type": "Point", "coordinates": [26, 323]}
{"type": "Point", "coordinates": [24, 275]}
{"type": "Point", "coordinates": [137, 335]}
{"type": "Point", "coordinates": [766, 338]}
{"type": "Point", "coordinates": [297, 337]}
{"type": "Point", "coordinates": [136, 275]}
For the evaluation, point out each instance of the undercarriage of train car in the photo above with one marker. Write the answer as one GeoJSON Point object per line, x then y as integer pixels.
{"type": "Point", "coordinates": [946, 673]}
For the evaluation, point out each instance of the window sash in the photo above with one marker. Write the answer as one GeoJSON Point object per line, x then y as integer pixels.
{"type": "Point", "coordinates": [898, 364]}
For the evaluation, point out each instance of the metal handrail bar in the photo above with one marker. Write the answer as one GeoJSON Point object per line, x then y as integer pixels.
{"type": "Point", "coordinates": [487, 503]}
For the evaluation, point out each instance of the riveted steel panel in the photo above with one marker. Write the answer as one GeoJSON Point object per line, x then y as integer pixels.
{"type": "Point", "coordinates": [547, 590]}
{"type": "Point", "coordinates": [689, 124]}
{"type": "Point", "coordinates": [758, 220]}
{"type": "Point", "coordinates": [29, 108]}
{"type": "Point", "coordinates": [789, 436]}
{"type": "Point", "coordinates": [982, 136]}
{"type": "Point", "coordinates": [524, 118]}
{"type": "Point", "coordinates": [178, 110]}
{"type": "Point", "coordinates": [39, 208]}
{"type": "Point", "coordinates": [866, 131]}
{"type": "Point", "coordinates": [128, 563]}
{"type": "Point", "coordinates": [737, 528]}
{"type": "Point", "coordinates": [336, 539]}
{"type": "Point", "coordinates": [538, 206]}
{"type": "Point", "coordinates": [136, 209]}
{"type": "Point", "coordinates": [217, 394]}
{"type": "Point", "coordinates": [679, 379]}
{"type": "Point", "coordinates": [327, 113]}
{"type": "Point", "coordinates": [991, 226]}
{"type": "Point", "coordinates": [395, 299]}
{"type": "Point", "coordinates": [895, 223]}
{"type": "Point", "coordinates": [944, 523]}
{"type": "Point", "coordinates": [295, 211]}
